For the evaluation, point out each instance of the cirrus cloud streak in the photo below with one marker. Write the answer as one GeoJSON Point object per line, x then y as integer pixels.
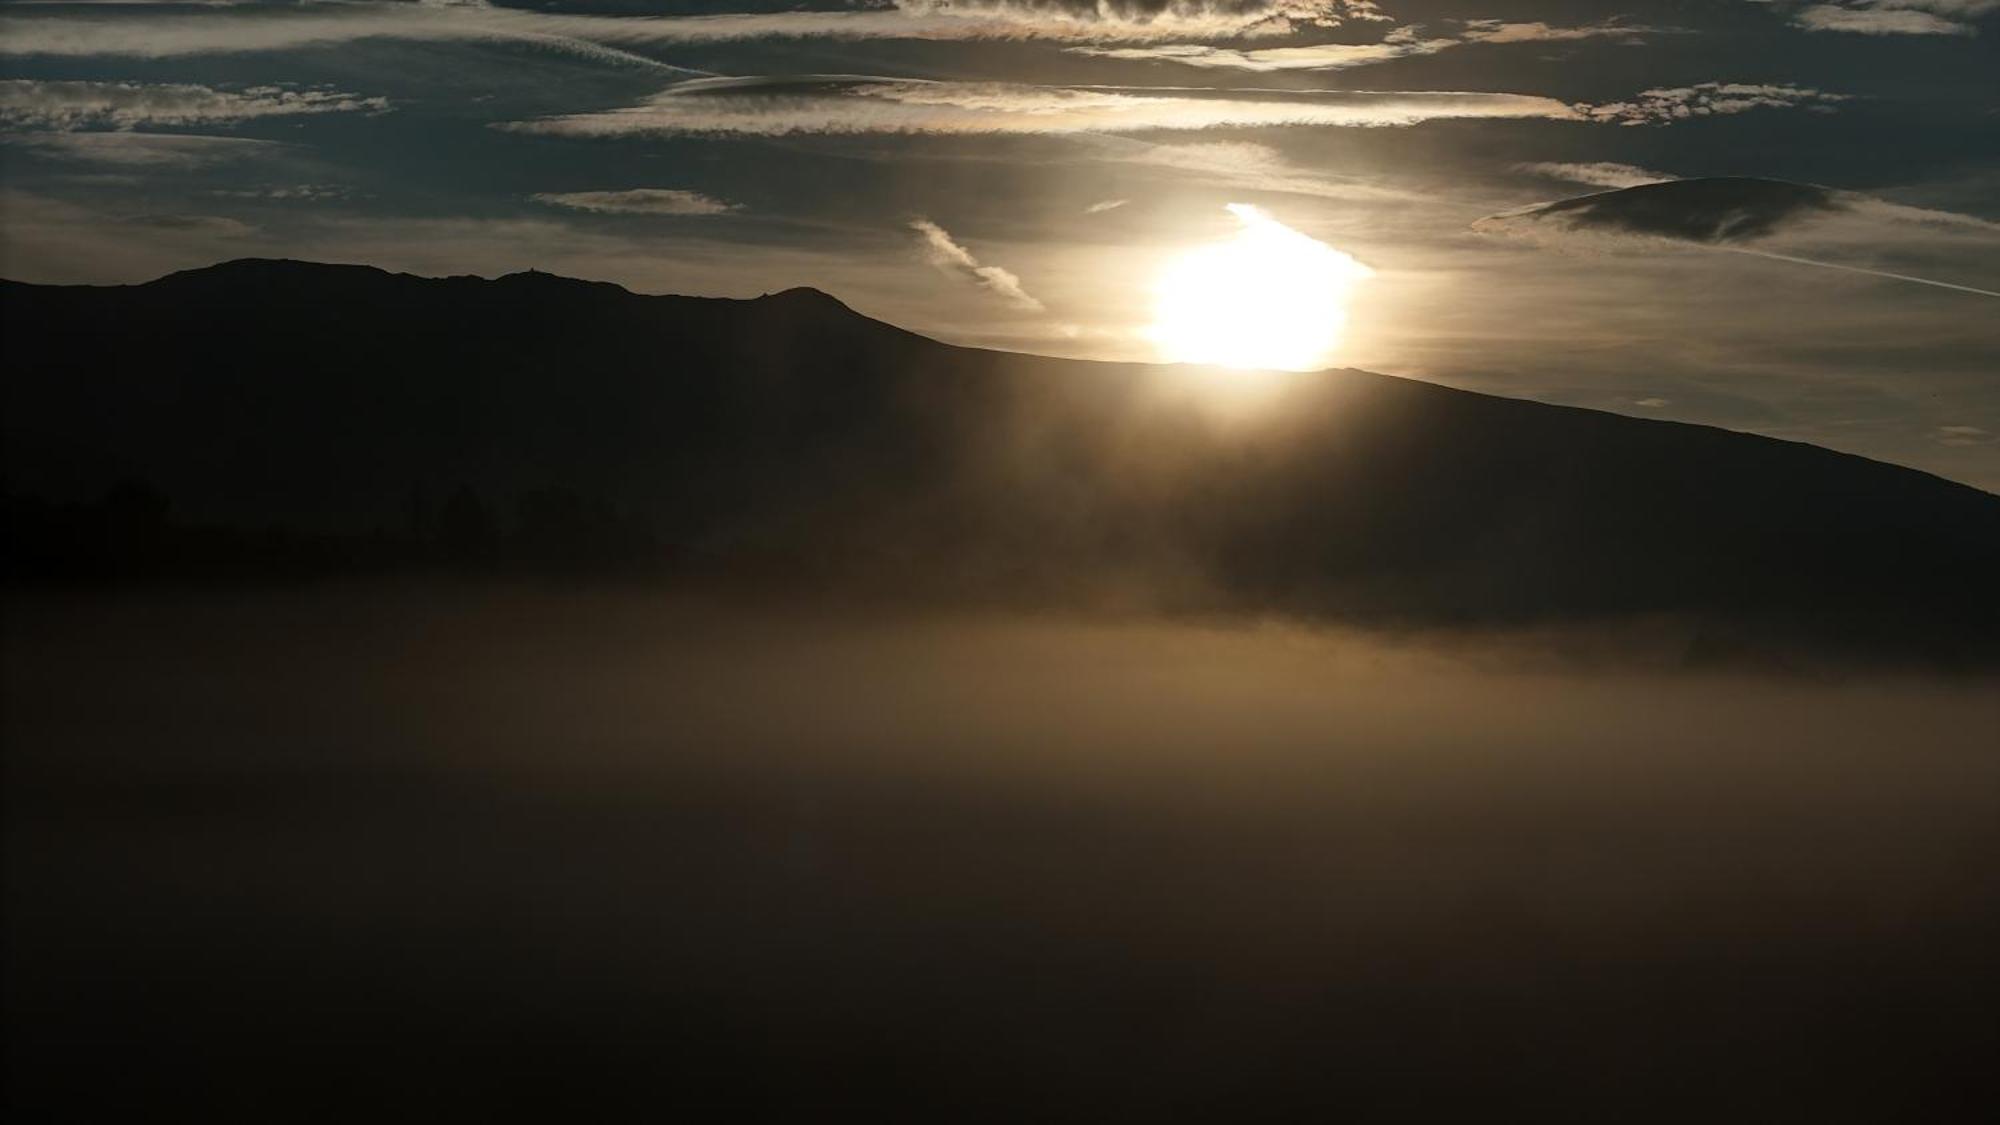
{"type": "Point", "coordinates": [67, 105]}
{"type": "Point", "coordinates": [638, 201]}
{"type": "Point", "coordinates": [232, 30]}
{"type": "Point", "coordinates": [850, 104]}
{"type": "Point", "coordinates": [1666, 105]}
{"type": "Point", "coordinates": [1895, 17]}
{"type": "Point", "coordinates": [948, 254]}
{"type": "Point", "coordinates": [1403, 42]}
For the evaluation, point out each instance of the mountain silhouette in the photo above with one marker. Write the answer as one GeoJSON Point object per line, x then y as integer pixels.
{"type": "Point", "coordinates": [790, 439]}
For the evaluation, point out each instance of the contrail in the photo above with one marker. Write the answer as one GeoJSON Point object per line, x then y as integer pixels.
{"type": "Point", "coordinates": [1859, 269]}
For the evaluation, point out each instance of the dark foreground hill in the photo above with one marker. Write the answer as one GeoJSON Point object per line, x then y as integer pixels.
{"type": "Point", "coordinates": [263, 416]}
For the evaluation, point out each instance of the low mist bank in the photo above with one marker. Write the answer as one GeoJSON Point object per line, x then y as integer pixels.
{"type": "Point", "coordinates": [488, 849]}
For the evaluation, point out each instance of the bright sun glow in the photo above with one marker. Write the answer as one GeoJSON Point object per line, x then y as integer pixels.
{"type": "Point", "coordinates": [1268, 298]}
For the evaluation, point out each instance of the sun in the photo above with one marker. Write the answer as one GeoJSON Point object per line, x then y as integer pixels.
{"type": "Point", "coordinates": [1270, 298]}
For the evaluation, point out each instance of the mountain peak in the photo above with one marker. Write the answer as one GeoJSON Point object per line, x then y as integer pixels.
{"type": "Point", "coordinates": [806, 295]}
{"type": "Point", "coordinates": [552, 281]}
{"type": "Point", "coordinates": [271, 269]}
{"type": "Point", "coordinates": [292, 272]}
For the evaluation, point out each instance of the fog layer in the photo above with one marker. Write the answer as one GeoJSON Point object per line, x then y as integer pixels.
{"type": "Point", "coordinates": [477, 848]}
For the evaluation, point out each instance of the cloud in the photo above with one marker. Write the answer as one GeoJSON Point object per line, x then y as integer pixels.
{"type": "Point", "coordinates": [853, 104]}
{"type": "Point", "coordinates": [1103, 205]}
{"type": "Point", "coordinates": [217, 226]}
{"type": "Point", "coordinates": [1874, 21]}
{"type": "Point", "coordinates": [1962, 435]}
{"type": "Point", "coordinates": [161, 150]}
{"type": "Point", "coordinates": [71, 105]}
{"type": "Point", "coordinates": [1498, 31]}
{"type": "Point", "coordinates": [1666, 105]}
{"type": "Point", "coordinates": [639, 201]}
{"type": "Point", "coordinates": [945, 253]}
{"type": "Point", "coordinates": [1243, 164]}
{"type": "Point", "coordinates": [1323, 56]}
{"type": "Point", "coordinates": [290, 193]}
{"type": "Point", "coordinates": [1219, 18]}
{"type": "Point", "coordinates": [1727, 209]}
{"type": "Point", "coordinates": [1895, 17]}
{"type": "Point", "coordinates": [1721, 209]}
{"type": "Point", "coordinates": [1653, 403]}
{"type": "Point", "coordinates": [1732, 213]}
{"type": "Point", "coordinates": [1596, 174]}
{"type": "Point", "coordinates": [1403, 42]}
{"type": "Point", "coordinates": [1869, 206]}
{"type": "Point", "coordinates": [166, 34]}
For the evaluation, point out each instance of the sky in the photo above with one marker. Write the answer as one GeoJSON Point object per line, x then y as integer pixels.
{"type": "Point", "coordinates": [1020, 174]}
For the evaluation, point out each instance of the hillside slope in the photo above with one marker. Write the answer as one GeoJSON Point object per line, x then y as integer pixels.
{"type": "Point", "coordinates": [790, 437]}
